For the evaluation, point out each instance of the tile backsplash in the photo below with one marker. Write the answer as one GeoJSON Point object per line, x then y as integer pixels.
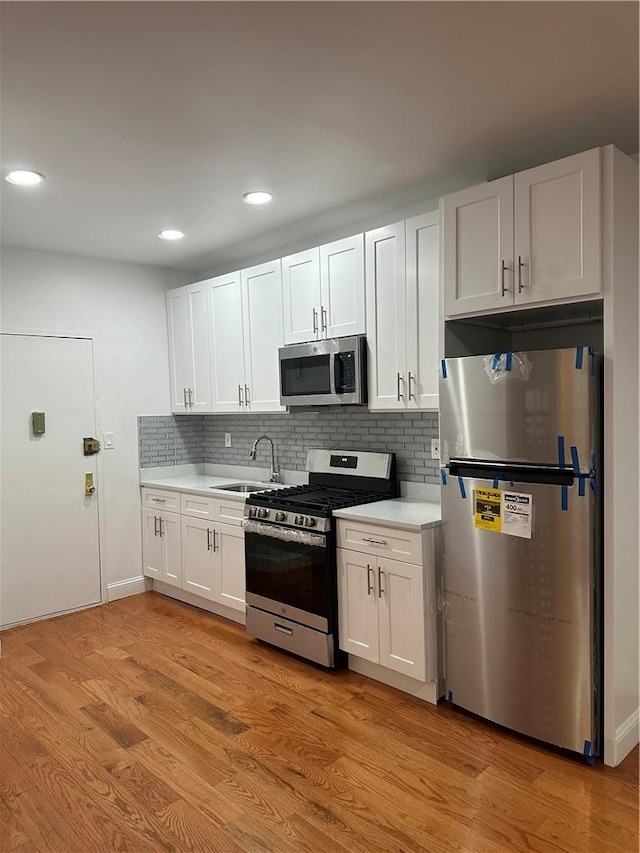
{"type": "Point", "coordinates": [191, 439]}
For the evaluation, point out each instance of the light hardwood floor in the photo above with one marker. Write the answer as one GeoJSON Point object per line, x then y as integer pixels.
{"type": "Point", "coordinates": [147, 725]}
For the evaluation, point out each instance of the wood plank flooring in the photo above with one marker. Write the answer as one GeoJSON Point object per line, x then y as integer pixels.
{"type": "Point", "coordinates": [148, 725]}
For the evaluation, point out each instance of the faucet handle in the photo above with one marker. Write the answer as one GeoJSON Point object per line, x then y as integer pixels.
{"type": "Point", "coordinates": [276, 477]}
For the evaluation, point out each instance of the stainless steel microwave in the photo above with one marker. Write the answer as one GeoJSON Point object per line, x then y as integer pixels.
{"type": "Point", "coordinates": [324, 373]}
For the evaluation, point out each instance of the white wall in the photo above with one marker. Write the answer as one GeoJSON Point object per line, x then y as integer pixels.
{"type": "Point", "coordinates": [122, 306]}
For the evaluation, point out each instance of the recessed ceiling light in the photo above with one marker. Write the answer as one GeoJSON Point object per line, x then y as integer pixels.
{"type": "Point", "coordinates": [257, 198]}
{"type": "Point", "coordinates": [170, 234]}
{"type": "Point", "coordinates": [25, 178]}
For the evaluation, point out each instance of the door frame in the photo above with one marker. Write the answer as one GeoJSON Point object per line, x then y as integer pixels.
{"type": "Point", "coordinates": [91, 337]}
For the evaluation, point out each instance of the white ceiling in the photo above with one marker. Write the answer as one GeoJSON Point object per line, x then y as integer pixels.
{"type": "Point", "coordinates": [154, 115]}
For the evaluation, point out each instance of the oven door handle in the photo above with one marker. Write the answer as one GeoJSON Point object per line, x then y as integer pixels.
{"type": "Point", "coordinates": [284, 534]}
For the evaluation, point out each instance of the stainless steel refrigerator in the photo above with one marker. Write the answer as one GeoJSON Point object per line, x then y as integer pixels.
{"type": "Point", "coordinates": [519, 439]}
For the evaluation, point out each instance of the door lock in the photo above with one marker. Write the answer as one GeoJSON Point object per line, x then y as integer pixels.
{"type": "Point", "coordinates": [89, 488]}
{"type": "Point", "coordinates": [91, 446]}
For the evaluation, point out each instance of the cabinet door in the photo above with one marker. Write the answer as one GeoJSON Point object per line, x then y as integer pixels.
{"type": "Point", "coordinates": [301, 296]}
{"type": "Point", "coordinates": [342, 285]}
{"type": "Point", "coordinates": [171, 539]}
{"type": "Point", "coordinates": [557, 229]}
{"type": "Point", "coordinates": [423, 310]}
{"type": "Point", "coordinates": [263, 334]}
{"type": "Point", "coordinates": [477, 248]}
{"type": "Point", "coordinates": [227, 350]}
{"type": "Point", "coordinates": [230, 575]}
{"type": "Point", "coordinates": [179, 346]}
{"type": "Point", "coordinates": [199, 365]}
{"type": "Point", "coordinates": [198, 559]}
{"type": "Point", "coordinates": [401, 616]}
{"type": "Point", "coordinates": [386, 316]}
{"type": "Point", "coordinates": [357, 605]}
{"type": "Point", "coordinates": [151, 545]}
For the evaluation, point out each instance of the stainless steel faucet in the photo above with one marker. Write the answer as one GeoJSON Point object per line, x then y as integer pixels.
{"type": "Point", "coordinates": [275, 471]}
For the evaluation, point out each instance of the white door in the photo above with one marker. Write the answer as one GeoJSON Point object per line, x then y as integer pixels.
{"type": "Point", "coordinates": [230, 576]}
{"type": "Point", "coordinates": [477, 248]}
{"type": "Point", "coordinates": [49, 549]}
{"type": "Point", "coordinates": [179, 346]}
{"type": "Point", "coordinates": [386, 317]}
{"type": "Point", "coordinates": [199, 369]}
{"type": "Point", "coordinates": [342, 288]}
{"type": "Point", "coordinates": [301, 296]}
{"type": "Point", "coordinates": [198, 562]}
{"type": "Point", "coordinates": [401, 617]}
{"type": "Point", "coordinates": [152, 551]}
{"type": "Point", "coordinates": [557, 229]}
{"type": "Point", "coordinates": [227, 350]}
{"type": "Point", "coordinates": [423, 310]}
{"type": "Point", "coordinates": [170, 539]}
{"type": "Point", "coordinates": [263, 334]}
{"type": "Point", "coordinates": [357, 604]}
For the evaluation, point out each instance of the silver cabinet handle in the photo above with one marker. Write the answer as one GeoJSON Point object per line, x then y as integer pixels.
{"type": "Point", "coordinates": [184, 397]}
{"type": "Point", "coordinates": [240, 395]}
{"type": "Point", "coordinates": [503, 287]}
{"type": "Point", "coordinates": [380, 590]}
{"type": "Point", "coordinates": [160, 530]}
{"type": "Point", "coordinates": [323, 319]}
{"type": "Point", "coordinates": [315, 321]}
{"type": "Point", "coordinates": [399, 379]}
{"type": "Point", "coordinates": [190, 397]}
{"type": "Point", "coordinates": [370, 584]}
{"type": "Point", "coordinates": [159, 500]}
{"type": "Point", "coordinates": [208, 539]}
{"type": "Point", "coordinates": [155, 525]}
{"type": "Point", "coordinates": [520, 265]}
{"type": "Point", "coordinates": [246, 395]}
{"type": "Point", "coordinates": [412, 378]}
{"type": "Point", "coordinates": [374, 541]}
{"type": "Point", "coordinates": [215, 542]}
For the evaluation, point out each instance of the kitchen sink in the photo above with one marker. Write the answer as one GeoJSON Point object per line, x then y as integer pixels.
{"type": "Point", "coordinates": [245, 488]}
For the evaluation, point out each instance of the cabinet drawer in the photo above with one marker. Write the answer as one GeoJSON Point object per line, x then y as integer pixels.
{"type": "Point", "coordinates": [229, 512]}
{"type": "Point", "coordinates": [159, 499]}
{"type": "Point", "coordinates": [402, 545]}
{"type": "Point", "coordinates": [197, 506]}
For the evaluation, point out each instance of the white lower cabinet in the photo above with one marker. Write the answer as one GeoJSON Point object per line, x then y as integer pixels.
{"type": "Point", "coordinates": [161, 546]}
{"type": "Point", "coordinates": [194, 551]}
{"type": "Point", "coordinates": [381, 607]}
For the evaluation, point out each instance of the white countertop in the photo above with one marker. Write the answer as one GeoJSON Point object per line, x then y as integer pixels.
{"type": "Point", "coordinates": [201, 484]}
{"type": "Point", "coordinates": [405, 513]}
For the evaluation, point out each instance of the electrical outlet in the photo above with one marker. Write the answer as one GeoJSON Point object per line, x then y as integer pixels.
{"type": "Point", "coordinates": [227, 439]}
{"type": "Point", "coordinates": [435, 448]}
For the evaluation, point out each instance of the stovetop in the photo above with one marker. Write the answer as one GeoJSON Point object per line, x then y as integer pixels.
{"type": "Point", "coordinates": [317, 500]}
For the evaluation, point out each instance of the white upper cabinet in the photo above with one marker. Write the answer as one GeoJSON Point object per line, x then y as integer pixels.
{"type": "Point", "coordinates": [323, 291]}
{"type": "Point", "coordinates": [227, 346]}
{"type": "Point", "coordinates": [263, 335]}
{"type": "Point", "coordinates": [533, 237]}
{"type": "Point", "coordinates": [557, 230]}
{"type": "Point", "coordinates": [402, 275]}
{"type": "Point", "coordinates": [189, 349]}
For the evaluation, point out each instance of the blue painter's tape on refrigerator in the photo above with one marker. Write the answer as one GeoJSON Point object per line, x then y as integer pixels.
{"type": "Point", "coordinates": [443, 476]}
{"type": "Point", "coordinates": [463, 491]}
{"type": "Point", "coordinates": [509, 361]}
{"type": "Point", "coordinates": [561, 451]}
{"type": "Point", "coordinates": [592, 360]}
{"type": "Point", "coordinates": [579, 356]}
{"type": "Point", "coordinates": [499, 476]}
{"type": "Point", "coordinates": [581, 489]}
{"type": "Point", "coordinates": [496, 361]}
{"type": "Point", "coordinates": [588, 752]}
{"type": "Point", "coordinates": [450, 696]}
{"type": "Point", "coordinates": [575, 461]}
{"type": "Point", "coordinates": [443, 365]}
{"type": "Point", "coordinates": [565, 498]}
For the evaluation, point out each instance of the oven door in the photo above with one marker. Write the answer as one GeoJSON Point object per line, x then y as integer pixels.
{"type": "Point", "coordinates": [289, 573]}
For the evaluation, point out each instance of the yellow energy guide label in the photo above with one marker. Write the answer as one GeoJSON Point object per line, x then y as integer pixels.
{"type": "Point", "coordinates": [487, 509]}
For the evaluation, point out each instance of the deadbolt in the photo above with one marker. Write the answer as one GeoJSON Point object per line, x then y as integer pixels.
{"type": "Point", "coordinates": [91, 446]}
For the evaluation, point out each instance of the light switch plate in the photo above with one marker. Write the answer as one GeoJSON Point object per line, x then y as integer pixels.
{"type": "Point", "coordinates": [108, 442]}
{"type": "Point", "coordinates": [227, 439]}
{"type": "Point", "coordinates": [435, 448]}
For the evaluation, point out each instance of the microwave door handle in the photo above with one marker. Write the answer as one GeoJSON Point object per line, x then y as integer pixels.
{"type": "Point", "coordinates": [332, 373]}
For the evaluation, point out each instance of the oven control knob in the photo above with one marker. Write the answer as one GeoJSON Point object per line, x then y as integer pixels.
{"type": "Point", "coordinates": [299, 519]}
{"type": "Point", "coordinates": [263, 513]}
{"type": "Point", "coordinates": [281, 516]}
{"type": "Point", "coordinates": [309, 522]}
{"type": "Point", "coordinates": [253, 512]}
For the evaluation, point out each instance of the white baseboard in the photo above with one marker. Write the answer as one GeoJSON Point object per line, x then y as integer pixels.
{"type": "Point", "coordinates": [189, 598]}
{"type": "Point", "coordinates": [626, 737]}
{"type": "Point", "coordinates": [130, 586]}
{"type": "Point", "coordinates": [422, 690]}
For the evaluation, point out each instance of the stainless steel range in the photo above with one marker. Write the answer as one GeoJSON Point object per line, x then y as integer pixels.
{"type": "Point", "coordinates": [290, 550]}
